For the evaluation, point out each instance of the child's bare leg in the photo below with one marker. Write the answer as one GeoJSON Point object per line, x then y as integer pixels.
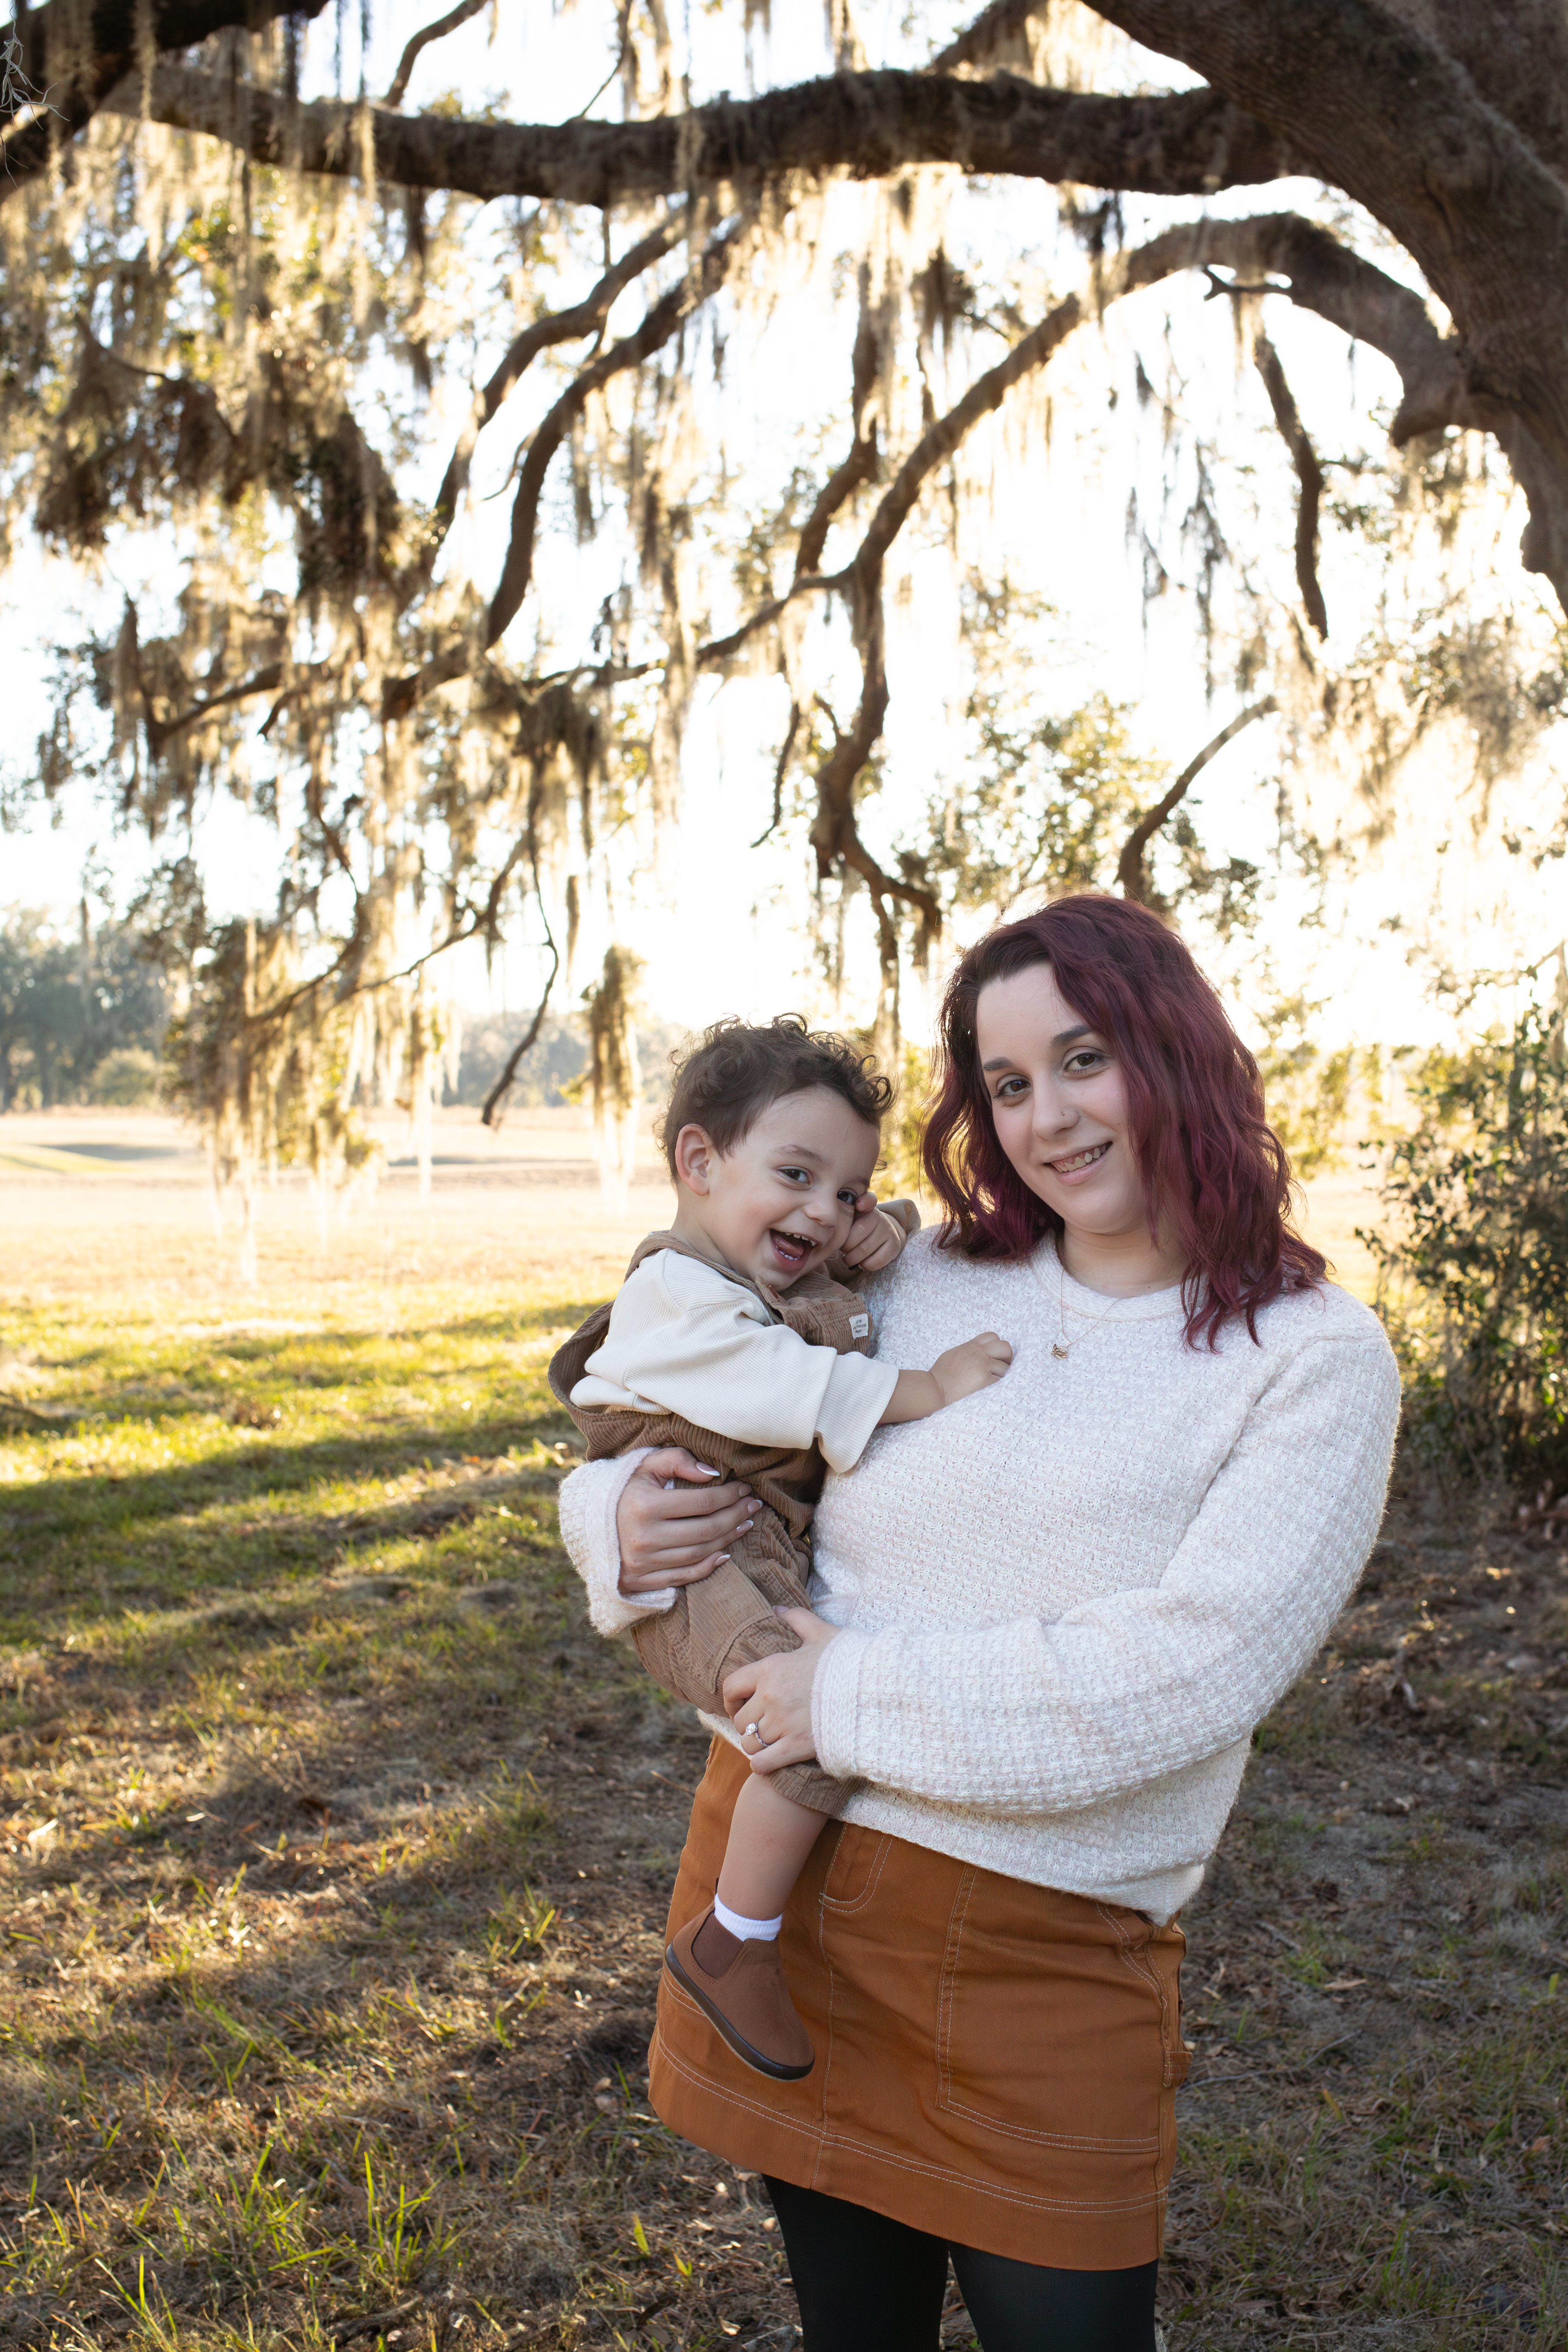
{"type": "Point", "coordinates": [727, 1958]}
{"type": "Point", "coordinates": [770, 1838]}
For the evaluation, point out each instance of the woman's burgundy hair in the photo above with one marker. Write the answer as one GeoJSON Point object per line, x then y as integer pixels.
{"type": "Point", "coordinates": [1213, 1169]}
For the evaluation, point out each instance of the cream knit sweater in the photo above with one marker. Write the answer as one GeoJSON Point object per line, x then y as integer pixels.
{"type": "Point", "coordinates": [1066, 1601]}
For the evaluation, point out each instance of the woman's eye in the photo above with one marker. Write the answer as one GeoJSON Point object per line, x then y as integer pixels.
{"type": "Point", "coordinates": [1011, 1088]}
{"type": "Point", "coordinates": [1091, 1058]}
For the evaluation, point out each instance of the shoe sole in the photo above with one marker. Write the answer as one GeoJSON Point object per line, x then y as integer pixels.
{"type": "Point", "coordinates": [737, 2042]}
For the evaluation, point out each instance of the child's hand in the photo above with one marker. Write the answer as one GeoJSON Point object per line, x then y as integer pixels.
{"type": "Point", "coordinates": [875, 1240]}
{"type": "Point", "coordinates": [978, 1364]}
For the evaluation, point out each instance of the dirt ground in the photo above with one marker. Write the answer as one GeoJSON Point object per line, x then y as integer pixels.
{"type": "Point", "coordinates": [334, 1848]}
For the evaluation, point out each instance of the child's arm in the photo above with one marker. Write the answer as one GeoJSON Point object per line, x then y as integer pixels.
{"type": "Point", "coordinates": [957, 1373]}
{"type": "Point", "coordinates": [687, 1339]}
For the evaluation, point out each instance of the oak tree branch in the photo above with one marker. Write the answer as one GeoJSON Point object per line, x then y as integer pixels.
{"type": "Point", "coordinates": [1190, 142]}
{"type": "Point", "coordinates": [1308, 476]}
{"type": "Point", "coordinates": [421, 41]}
{"type": "Point", "coordinates": [1130, 869]}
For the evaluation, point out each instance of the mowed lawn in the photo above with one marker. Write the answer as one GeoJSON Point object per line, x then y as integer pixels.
{"type": "Point", "coordinates": [335, 1847]}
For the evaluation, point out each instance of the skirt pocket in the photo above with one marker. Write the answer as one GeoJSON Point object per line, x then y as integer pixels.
{"type": "Point", "coordinates": [856, 1868]}
{"type": "Point", "coordinates": [1048, 2021]}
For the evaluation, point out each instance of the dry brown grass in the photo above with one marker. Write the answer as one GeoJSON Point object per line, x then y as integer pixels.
{"type": "Point", "coordinates": [336, 1853]}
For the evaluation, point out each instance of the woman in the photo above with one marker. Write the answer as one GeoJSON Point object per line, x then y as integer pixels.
{"type": "Point", "coordinates": [1047, 1623]}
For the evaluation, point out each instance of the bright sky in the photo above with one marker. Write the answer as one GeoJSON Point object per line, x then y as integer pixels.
{"type": "Point", "coordinates": [723, 925]}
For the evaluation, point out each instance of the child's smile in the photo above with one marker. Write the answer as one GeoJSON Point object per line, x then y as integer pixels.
{"type": "Point", "coordinates": [792, 1251]}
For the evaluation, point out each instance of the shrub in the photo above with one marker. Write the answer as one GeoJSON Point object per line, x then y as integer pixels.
{"type": "Point", "coordinates": [1476, 1277]}
{"type": "Point", "coordinates": [127, 1076]}
{"type": "Point", "coordinates": [899, 1170]}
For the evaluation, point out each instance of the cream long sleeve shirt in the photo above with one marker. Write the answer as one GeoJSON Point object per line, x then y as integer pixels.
{"type": "Point", "coordinates": [1066, 1601]}
{"type": "Point", "coordinates": [683, 1338]}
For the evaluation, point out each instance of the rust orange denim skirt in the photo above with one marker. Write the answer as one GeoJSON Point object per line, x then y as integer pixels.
{"type": "Point", "coordinates": [996, 2062]}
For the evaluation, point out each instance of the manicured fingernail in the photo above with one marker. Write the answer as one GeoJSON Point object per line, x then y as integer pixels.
{"type": "Point", "coordinates": [707, 1470]}
{"type": "Point", "coordinates": [749, 1525]}
{"type": "Point", "coordinates": [722, 1556]}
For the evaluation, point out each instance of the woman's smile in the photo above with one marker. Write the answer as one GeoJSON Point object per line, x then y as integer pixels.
{"type": "Point", "coordinates": [1081, 1161]}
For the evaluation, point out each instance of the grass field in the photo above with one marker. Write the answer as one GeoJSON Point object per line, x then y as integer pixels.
{"type": "Point", "coordinates": [336, 1848]}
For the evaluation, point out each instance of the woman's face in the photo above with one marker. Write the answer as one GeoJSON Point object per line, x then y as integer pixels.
{"type": "Point", "coordinates": [1059, 1104]}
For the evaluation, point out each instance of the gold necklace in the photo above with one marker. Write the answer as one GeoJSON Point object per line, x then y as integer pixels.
{"type": "Point", "coordinates": [1062, 1347]}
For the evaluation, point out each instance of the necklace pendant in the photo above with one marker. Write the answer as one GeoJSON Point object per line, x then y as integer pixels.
{"type": "Point", "coordinates": [1056, 1348]}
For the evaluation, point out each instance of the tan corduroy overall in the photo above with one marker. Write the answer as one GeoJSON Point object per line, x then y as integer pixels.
{"type": "Point", "coordinates": [727, 1620]}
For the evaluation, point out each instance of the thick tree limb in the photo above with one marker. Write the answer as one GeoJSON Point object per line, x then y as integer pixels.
{"type": "Point", "coordinates": [671, 312]}
{"type": "Point", "coordinates": [1382, 111]}
{"type": "Point", "coordinates": [1517, 57]}
{"type": "Point", "coordinates": [1323, 277]}
{"type": "Point", "coordinates": [77, 56]}
{"type": "Point", "coordinates": [871, 123]}
{"type": "Point", "coordinates": [1130, 869]}
{"type": "Point", "coordinates": [835, 832]}
{"type": "Point", "coordinates": [1309, 475]}
{"type": "Point", "coordinates": [662, 320]}
{"type": "Point", "coordinates": [561, 327]}
{"type": "Point", "coordinates": [421, 41]}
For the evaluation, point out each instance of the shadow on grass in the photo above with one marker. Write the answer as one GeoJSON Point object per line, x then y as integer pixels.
{"type": "Point", "coordinates": [132, 1500]}
{"type": "Point", "coordinates": [348, 2061]}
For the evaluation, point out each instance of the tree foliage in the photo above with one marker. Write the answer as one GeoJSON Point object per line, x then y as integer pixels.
{"type": "Point", "coordinates": [1480, 1250]}
{"type": "Point", "coordinates": [76, 1014]}
{"type": "Point", "coordinates": [225, 307]}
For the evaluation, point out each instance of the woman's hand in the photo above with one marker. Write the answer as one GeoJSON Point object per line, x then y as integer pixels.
{"type": "Point", "coordinates": [774, 1696]}
{"type": "Point", "coordinates": [672, 1534]}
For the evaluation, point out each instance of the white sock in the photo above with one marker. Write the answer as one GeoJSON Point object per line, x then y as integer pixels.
{"type": "Point", "coordinates": [749, 1931]}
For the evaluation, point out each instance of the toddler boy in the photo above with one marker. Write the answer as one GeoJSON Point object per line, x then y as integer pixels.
{"type": "Point", "coordinates": [736, 1335]}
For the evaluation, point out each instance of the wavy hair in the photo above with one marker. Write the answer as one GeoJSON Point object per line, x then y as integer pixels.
{"type": "Point", "coordinates": [1212, 1167]}
{"type": "Point", "coordinates": [736, 1070]}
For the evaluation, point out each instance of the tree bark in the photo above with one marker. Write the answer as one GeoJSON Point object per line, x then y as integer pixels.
{"type": "Point", "coordinates": [74, 57]}
{"type": "Point", "coordinates": [1515, 53]}
{"type": "Point", "coordinates": [874, 124]}
{"type": "Point", "coordinates": [1384, 113]}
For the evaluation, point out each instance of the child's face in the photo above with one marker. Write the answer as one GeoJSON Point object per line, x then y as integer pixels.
{"type": "Point", "coordinates": [783, 1200]}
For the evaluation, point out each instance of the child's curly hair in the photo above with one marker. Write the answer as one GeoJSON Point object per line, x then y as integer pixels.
{"type": "Point", "coordinates": [736, 1071]}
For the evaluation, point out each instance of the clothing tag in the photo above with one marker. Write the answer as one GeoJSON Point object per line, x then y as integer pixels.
{"type": "Point", "coordinates": [859, 1327]}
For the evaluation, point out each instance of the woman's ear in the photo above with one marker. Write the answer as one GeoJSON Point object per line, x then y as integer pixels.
{"type": "Point", "coordinates": [694, 1156]}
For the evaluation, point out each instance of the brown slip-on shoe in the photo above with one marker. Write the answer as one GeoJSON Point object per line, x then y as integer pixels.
{"type": "Point", "coordinates": [739, 1984]}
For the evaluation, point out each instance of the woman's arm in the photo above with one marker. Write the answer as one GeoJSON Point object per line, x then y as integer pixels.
{"type": "Point", "coordinates": [633, 1537]}
{"type": "Point", "coordinates": [1033, 1717]}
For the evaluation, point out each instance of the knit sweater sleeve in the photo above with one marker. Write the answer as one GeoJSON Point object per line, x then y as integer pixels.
{"type": "Point", "coordinates": [1033, 1717]}
{"type": "Point", "coordinates": [589, 1500]}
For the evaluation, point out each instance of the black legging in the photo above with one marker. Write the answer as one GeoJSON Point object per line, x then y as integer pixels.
{"type": "Point", "coordinates": [869, 2284]}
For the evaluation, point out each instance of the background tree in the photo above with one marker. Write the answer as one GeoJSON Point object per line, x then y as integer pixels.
{"type": "Point", "coordinates": [80, 1020]}
{"type": "Point", "coordinates": [225, 304]}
